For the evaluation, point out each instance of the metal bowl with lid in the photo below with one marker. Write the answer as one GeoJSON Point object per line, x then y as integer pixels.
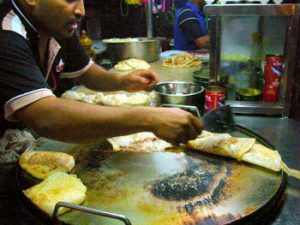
{"type": "Point", "coordinates": [140, 48]}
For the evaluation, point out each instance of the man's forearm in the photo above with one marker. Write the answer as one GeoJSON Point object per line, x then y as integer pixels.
{"type": "Point", "coordinates": [70, 121]}
{"type": "Point", "coordinates": [203, 42]}
{"type": "Point", "coordinates": [97, 78]}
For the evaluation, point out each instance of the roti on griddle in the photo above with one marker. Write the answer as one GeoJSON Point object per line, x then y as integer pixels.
{"type": "Point", "coordinates": [40, 164]}
{"type": "Point", "coordinates": [242, 149]}
{"type": "Point", "coordinates": [58, 187]}
{"type": "Point", "coordinates": [139, 142]}
{"type": "Point", "coordinates": [223, 145]}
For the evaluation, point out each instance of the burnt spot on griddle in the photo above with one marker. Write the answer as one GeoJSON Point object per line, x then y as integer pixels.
{"type": "Point", "coordinates": [215, 195]}
{"type": "Point", "coordinates": [90, 159]}
{"type": "Point", "coordinates": [181, 186]}
{"type": "Point", "coordinates": [194, 181]}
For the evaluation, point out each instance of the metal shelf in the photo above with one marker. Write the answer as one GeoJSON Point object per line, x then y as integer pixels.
{"type": "Point", "coordinates": [252, 10]}
{"type": "Point", "coordinates": [292, 12]}
{"type": "Point", "coordinates": [256, 108]}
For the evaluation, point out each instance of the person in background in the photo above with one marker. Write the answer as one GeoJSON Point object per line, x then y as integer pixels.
{"type": "Point", "coordinates": [190, 31]}
{"type": "Point", "coordinates": [39, 47]}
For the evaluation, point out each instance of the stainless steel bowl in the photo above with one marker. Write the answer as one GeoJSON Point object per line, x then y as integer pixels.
{"type": "Point", "coordinates": [179, 93]}
{"type": "Point", "coordinates": [140, 48]}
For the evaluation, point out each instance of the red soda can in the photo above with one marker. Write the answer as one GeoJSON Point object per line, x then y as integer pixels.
{"type": "Point", "coordinates": [272, 76]}
{"type": "Point", "coordinates": [214, 97]}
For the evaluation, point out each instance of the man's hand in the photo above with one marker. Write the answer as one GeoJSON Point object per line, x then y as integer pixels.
{"type": "Point", "coordinates": [175, 125]}
{"type": "Point", "coordinates": [140, 80]}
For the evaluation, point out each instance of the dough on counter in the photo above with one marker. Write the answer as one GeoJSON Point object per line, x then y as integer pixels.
{"type": "Point", "coordinates": [58, 187]}
{"type": "Point", "coordinates": [112, 98]}
{"type": "Point", "coordinates": [74, 95]}
{"type": "Point", "coordinates": [40, 164]}
{"type": "Point", "coordinates": [91, 99]}
{"type": "Point", "coordinates": [126, 100]}
{"type": "Point", "coordinates": [131, 64]}
{"type": "Point", "coordinates": [115, 99]}
{"type": "Point", "coordinates": [99, 96]}
{"type": "Point", "coordinates": [138, 99]}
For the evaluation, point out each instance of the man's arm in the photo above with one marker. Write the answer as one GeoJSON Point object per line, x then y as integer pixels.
{"type": "Point", "coordinates": [97, 78]}
{"type": "Point", "coordinates": [192, 30]}
{"type": "Point", "coordinates": [72, 121]}
{"type": "Point", "coordinates": [203, 42]}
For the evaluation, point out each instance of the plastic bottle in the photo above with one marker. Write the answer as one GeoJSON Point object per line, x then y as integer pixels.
{"type": "Point", "coordinates": [86, 43]}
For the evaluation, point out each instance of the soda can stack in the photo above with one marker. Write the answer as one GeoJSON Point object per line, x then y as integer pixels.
{"type": "Point", "coordinates": [214, 97]}
{"type": "Point", "coordinates": [272, 76]}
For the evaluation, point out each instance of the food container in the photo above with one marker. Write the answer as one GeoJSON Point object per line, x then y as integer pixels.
{"type": "Point", "coordinates": [87, 44]}
{"type": "Point", "coordinates": [179, 93]}
{"type": "Point", "coordinates": [141, 48]}
{"type": "Point", "coordinates": [201, 77]}
{"type": "Point", "coordinates": [248, 94]}
{"type": "Point", "coordinates": [214, 97]}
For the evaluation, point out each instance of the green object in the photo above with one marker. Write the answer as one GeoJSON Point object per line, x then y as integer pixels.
{"type": "Point", "coordinates": [248, 94]}
{"type": "Point", "coordinates": [201, 77]}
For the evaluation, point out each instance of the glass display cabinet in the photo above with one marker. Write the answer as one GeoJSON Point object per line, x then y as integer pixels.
{"type": "Point", "coordinates": [242, 37]}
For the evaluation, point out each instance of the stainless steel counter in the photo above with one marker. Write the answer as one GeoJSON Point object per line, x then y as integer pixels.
{"type": "Point", "coordinates": [284, 134]}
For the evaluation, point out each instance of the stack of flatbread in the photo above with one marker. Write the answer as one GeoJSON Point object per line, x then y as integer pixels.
{"type": "Point", "coordinates": [182, 61]}
{"type": "Point", "coordinates": [131, 64]}
{"type": "Point", "coordinates": [242, 149]}
{"type": "Point", "coordinates": [57, 184]}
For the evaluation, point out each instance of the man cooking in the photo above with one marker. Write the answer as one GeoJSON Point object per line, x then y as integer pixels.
{"type": "Point", "coordinates": [39, 47]}
{"type": "Point", "coordinates": [190, 31]}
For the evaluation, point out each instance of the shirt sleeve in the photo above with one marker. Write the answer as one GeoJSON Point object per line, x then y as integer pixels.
{"type": "Point", "coordinates": [77, 62]}
{"type": "Point", "coordinates": [21, 79]}
{"type": "Point", "coordinates": [189, 25]}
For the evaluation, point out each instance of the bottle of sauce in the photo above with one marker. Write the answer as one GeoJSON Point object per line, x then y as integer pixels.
{"type": "Point", "coordinates": [87, 44]}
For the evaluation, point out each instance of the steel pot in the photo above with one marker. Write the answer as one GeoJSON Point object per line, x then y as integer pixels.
{"type": "Point", "coordinates": [140, 48]}
{"type": "Point", "coordinates": [179, 93]}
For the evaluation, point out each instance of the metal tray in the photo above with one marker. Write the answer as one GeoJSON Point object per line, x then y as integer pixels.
{"type": "Point", "coordinates": [165, 188]}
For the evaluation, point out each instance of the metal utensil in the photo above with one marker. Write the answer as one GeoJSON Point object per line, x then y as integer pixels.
{"type": "Point", "coordinates": [219, 120]}
{"type": "Point", "coordinates": [85, 209]}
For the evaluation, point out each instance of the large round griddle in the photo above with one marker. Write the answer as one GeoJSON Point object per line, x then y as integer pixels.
{"type": "Point", "coordinates": [170, 188]}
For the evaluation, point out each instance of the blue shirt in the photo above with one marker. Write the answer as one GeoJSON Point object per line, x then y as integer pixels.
{"type": "Point", "coordinates": [189, 25]}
